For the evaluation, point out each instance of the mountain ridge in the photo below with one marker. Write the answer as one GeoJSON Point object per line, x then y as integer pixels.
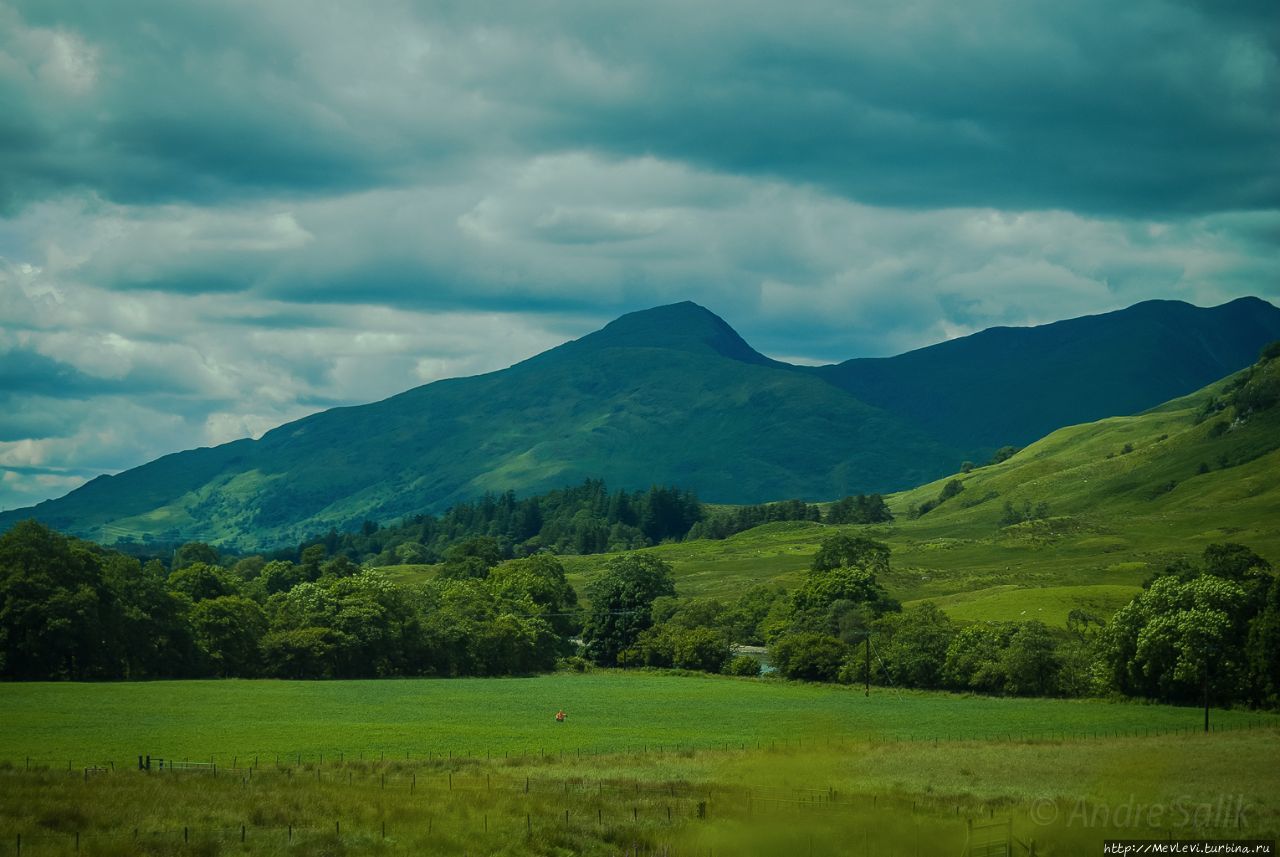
{"type": "Point", "coordinates": [1146, 334]}
{"type": "Point", "coordinates": [667, 395]}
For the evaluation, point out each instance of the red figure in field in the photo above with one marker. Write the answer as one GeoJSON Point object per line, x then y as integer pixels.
{"type": "Point", "coordinates": [560, 716]}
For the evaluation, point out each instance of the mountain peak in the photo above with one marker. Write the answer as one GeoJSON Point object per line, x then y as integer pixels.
{"type": "Point", "coordinates": [684, 326]}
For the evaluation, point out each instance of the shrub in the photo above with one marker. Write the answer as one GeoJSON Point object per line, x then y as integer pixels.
{"type": "Point", "coordinates": [699, 649]}
{"type": "Point", "coordinates": [1004, 453]}
{"type": "Point", "coordinates": [743, 665]}
{"type": "Point", "coordinates": [809, 657]}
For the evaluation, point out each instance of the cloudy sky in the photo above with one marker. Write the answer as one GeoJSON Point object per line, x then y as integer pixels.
{"type": "Point", "coordinates": [219, 216]}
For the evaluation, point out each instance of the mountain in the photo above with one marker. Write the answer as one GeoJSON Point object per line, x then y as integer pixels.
{"type": "Point", "coordinates": [669, 395]}
{"type": "Point", "coordinates": [1013, 385]}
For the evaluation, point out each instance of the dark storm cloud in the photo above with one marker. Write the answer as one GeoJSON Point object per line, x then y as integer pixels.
{"type": "Point", "coordinates": [24, 372]}
{"type": "Point", "coordinates": [31, 373]}
{"type": "Point", "coordinates": [1130, 108]}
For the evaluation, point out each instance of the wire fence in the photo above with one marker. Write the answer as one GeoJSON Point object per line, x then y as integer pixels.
{"type": "Point", "coordinates": [470, 796]}
{"type": "Point", "coordinates": [640, 818]}
{"type": "Point", "coordinates": [441, 830]}
{"type": "Point", "coordinates": [220, 763]}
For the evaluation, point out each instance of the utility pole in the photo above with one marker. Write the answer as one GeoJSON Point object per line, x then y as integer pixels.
{"type": "Point", "coordinates": [867, 665]}
{"type": "Point", "coordinates": [1206, 695]}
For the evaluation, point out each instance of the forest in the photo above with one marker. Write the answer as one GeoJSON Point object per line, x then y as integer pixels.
{"type": "Point", "coordinates": [583, 519]}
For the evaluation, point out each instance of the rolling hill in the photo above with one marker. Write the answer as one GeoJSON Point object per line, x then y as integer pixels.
{"type": "Point", "coordinates": [1199, 469]}
{"type": "Point", "coordinates": [669, 395]}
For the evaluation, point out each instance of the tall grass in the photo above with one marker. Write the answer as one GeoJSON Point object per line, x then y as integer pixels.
{"type": "Point", "coordinates": [879, 798]}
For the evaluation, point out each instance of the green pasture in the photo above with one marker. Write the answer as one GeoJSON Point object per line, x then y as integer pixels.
{"type": "Point", "coordinates": [650, 763]}
{"type": "Point", "coordinates": [1049, 604]}
{"type": "Point", "coordinates": [608, 711]}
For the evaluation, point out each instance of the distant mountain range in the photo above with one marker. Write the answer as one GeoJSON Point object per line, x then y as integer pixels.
{"type": "Point", "coordinates": [672, 395]}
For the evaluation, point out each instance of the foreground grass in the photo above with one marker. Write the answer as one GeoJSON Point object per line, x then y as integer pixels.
{"type": "Point", "coordinates": [893, 799]}
{"type": "Point", "coordinates": [760, 768]}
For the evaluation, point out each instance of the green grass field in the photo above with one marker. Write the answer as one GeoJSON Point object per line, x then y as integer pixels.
{"type": "Point", "coordinates": [1049, 604]}
{"type": "Point", "coordinates": [651, 761]}
{"type": "Point", "coordinates": [608, 711]}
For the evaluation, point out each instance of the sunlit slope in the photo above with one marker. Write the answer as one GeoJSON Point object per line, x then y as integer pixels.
{"type": "Point", "coordinates": [1113, 517]}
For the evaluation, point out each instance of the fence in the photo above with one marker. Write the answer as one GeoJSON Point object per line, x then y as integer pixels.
{"type": "Point", "coordinates": [452, 807]}
{"type": "Point", "coordinates": [235, 761]}
{"type": "Point", "coordinates": [600, 804]}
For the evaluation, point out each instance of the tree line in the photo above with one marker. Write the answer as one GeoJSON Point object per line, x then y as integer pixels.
{"type": "Point", "coordinates": [1205, 629]}
{"type": "Point", "coordinates": [70, 609]}
{"type": "Point", "coordinates": [584, 519]}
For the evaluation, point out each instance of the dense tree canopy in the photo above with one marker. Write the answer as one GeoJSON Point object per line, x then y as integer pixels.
{"type": "Point", "coordinates": [621, 602]}
{"type": "Point", "coordinates": [69, 609]}
{"type": "Point", "coordinates": [845, 569]}
{"type": "Point", "coordinates": [73, 610]}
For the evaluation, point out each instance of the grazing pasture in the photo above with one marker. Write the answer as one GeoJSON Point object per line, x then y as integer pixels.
{"type": "Point", "coordinates": [608, 711]}
{"type": "Point", "coordinates": [645, 763]}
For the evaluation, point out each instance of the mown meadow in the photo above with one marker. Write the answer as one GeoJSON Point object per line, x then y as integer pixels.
{"type": "Point", "coordinates": [645, 762]}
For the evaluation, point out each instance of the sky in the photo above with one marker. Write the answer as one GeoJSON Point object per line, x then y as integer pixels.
{"type": "Point", "coordinates": [216, 217]}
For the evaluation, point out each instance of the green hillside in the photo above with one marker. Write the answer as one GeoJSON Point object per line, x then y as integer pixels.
{"type": "Point", "coordinates": [673, 396]}
{"type": "Point", "coordinates": [1113, 517]}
